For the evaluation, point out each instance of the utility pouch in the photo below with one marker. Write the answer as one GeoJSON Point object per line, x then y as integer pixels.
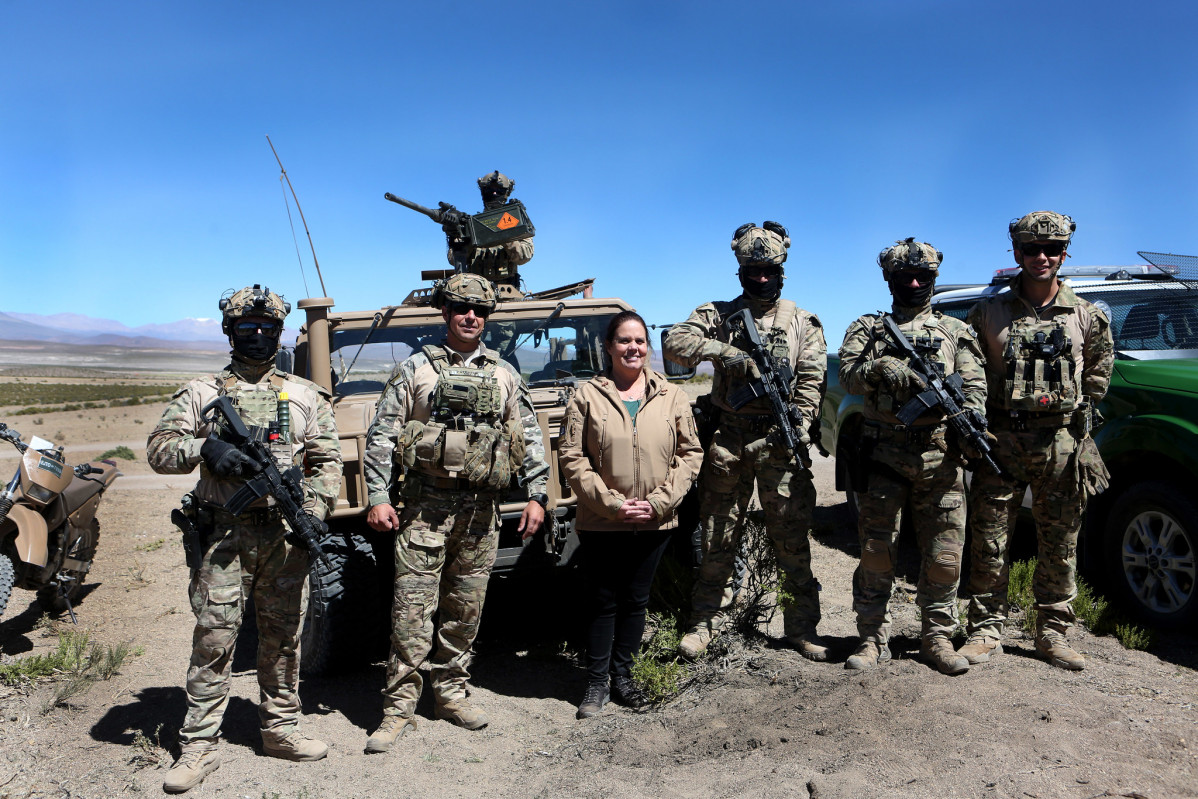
{"type": "Point", "coordinates": [429, 447]}
{"type": "Point", "coordinates": [404, 454]}
{"type": "Point", "coordinates": [453, 456]}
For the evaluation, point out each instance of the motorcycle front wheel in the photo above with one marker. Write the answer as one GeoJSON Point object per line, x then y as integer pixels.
{"type": "Point", "coordinates": [57, 598]}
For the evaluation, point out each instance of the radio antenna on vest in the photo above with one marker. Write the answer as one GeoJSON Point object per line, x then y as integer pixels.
{"type": "Point", "coordinates": [323, 290]}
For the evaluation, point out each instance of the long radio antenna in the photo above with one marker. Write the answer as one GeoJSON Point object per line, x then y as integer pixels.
{"type": "Point", "coordinates": [301, 213]}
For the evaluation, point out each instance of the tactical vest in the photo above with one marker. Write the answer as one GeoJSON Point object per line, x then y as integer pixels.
{"type": "Point", "coordinates": [776, 341]}
{"type": "Point", "coordinates": [1040, 370]}
{"type": "Point", "coordinates": [259, 406]}
{"type": "Point", "coordinates": [465, 436]}
{"type": "Point", "coordinates": [928, 340]}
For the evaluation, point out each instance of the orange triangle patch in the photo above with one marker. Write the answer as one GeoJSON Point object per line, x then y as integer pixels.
{"type": "Point", "coordinates": [507, 221]}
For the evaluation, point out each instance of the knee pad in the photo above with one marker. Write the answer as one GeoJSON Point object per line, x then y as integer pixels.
{"type": "Point", "coordinates": [945, 568]}
{"type": "Point", "coordinates": [875, 555]}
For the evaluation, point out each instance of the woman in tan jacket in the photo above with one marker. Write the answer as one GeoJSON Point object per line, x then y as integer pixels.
{"type": "Point", "coordinates": [630, 451]}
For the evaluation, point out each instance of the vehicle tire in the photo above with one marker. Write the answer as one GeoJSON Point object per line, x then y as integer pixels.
{"type": "Point", "coordinates": [8, 574]}
{"type": "Point", "coordinates": [348, 611]}
{"type": "Point", "coordinates": [1149, 546]}
{"type": "Point", "coordinates": [55, 599]}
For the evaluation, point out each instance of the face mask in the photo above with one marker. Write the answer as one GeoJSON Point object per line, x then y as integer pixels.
{"type": "Point", "coordinates": [912, 297]}
{"type": "Point", "coordinates": [257, 348]}
{"type": "Point", "coordinates": [770, 289]}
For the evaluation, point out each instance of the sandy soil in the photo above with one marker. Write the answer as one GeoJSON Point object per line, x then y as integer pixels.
{"type": "Point", "coordinates": [774, 725]}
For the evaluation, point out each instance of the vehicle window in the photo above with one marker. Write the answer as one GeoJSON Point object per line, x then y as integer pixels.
{"type": "Point", "coordinates": [1164, 317]}
{"type": "Point", "coordinates": [564, 347]}
{"type": "Point", "coordinates": [957, 309]}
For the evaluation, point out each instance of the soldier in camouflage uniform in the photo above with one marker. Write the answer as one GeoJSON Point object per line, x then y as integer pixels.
{"type": "Point", "coordinates": [499, 264]}
{"type": "Point", "coordinates": [896, 464]}
{"type": "Point", "coordinates": [1049, 356]}
{"type": "Point", "coordinates": [745, 447]}
{"type": "Point", "coordinates": [250, 554]}
{"type": "Point", "coordinates": [459, 423]}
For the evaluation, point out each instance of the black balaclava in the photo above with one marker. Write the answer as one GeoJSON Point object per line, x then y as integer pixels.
{"type": "Point", "coordinates": [769, 291]}
{"type": "Point", "coordinates": [910, 297]}
{"type": "Point", "coordinates": [256, 349]}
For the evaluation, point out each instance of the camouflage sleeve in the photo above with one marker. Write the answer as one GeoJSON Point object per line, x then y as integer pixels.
{"type": "Point", "coordinates": [172, 447]}
{"type": "Point", "coordinates": [684, 341]}
{"type": "Point", "coordinates": [854, 366]}
{"type": "Point", "coordinates": [971, 365]}
{"type": "Point", "coordinates": [535, 469]}
{"type": "Point", "coordinates": [1098, 358]}
{"type": "Point", "coordinates": [519, 252]}
{"type": "Point", "coordinates": [393, 409]}
{"type": "Point", "coordinates": [811, 370]}
{"type": "Point", "coordinates": [322, 462]}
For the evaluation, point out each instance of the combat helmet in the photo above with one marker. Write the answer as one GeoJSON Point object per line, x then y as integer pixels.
{"type": "Point", "coordinates": [251, 301]}
{"type": "Point", "coordinates": [909, 254]}
{"type": "Point", "coordinates": [464, 287]}
{"type": "Point", "coordinates": [760, 245]}
{"type": "Point", "coordinates": [1042, 226]}
{"type": "Point", "coordinates": [496, 187]}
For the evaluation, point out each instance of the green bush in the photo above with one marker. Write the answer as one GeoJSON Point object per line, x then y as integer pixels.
{"type": "Point", "coordinates": [122, 452]}
{"type": "Point", "coordinates": [656, 669]}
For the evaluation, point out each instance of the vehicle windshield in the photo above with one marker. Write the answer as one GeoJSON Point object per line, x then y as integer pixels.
{"type": "Point", "coordinates": [565, 348]}
{"type": "Point", "coordinates": [1156, 322]}
{"type": "Point", "coordinates": [1148, 321]}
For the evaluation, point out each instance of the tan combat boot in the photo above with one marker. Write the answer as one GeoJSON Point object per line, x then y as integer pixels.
{"type": "Point", "coordinates": [809, 645]}
{"type": "Point", "coordinates": [694, 643]}
{"type": "Point", "coordinates": [291, 744]}
{"type": "Point", "coordinates": [1053, 647]}
{"type": "Point", "coordinates": [980, 648]}
{"type": "Point", "coordinates": [391, 730]}
{"type": "Point", "coordinates": [197, 761]}
{"type": "Point", "coordinates": [938, 651]}
{"type": "Point", "coordinates": [867, 656]}
{"type": "Point", "coordinates": [462, 713]}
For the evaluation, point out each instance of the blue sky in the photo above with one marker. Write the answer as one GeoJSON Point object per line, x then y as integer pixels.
{"type": "Point", "coordinates": [136, 182]}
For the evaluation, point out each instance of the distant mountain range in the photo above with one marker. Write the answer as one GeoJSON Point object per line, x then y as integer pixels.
{"type": "Point", "coordinates": [69, 328]}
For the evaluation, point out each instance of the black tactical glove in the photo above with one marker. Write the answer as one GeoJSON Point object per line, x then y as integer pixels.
{"type": "Point", "coordinates": [296, 540]}
{"type": "Point", "coordinates": [225, 460]}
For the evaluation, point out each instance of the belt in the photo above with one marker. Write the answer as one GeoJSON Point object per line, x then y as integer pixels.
{"type": "Point", "coordinates": [418, 481]}
{"type": "Point", "coordinates": [254, 516]}
{"type": "Point", "coordinates": [757, 423]}
{"type": "Point", "coordinates": [906, 434]}
{"type": "Point", "coordinates": [1031, 420]}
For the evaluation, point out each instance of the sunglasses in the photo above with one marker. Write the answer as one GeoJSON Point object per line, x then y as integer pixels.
{"type": "Point", "coordinates": [922, 277]}
{"type": "Point", "coordinates": [246, 328]}
{"type": "Point", "coordinates": [1050, 248]}
{"type": "Point", "coordinates": [753, 271]}
{"type": "Point", "coordinates": [462, 308]}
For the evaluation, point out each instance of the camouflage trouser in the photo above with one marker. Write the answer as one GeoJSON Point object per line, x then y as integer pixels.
{"type": "Point", "coordinates": [787, 497]}
{"type": "Point", "coordinates": [444, 552]}
{"type": "Point", "coordinates": [1041, 458]}
{"type": "Point", "coordinates": [243, 560]}
{"type": "Point", "coordinates": [934, 487]}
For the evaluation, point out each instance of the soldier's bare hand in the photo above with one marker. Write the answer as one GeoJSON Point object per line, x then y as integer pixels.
{"type": "Point", "coordinates": [530, 519]}
{"type": "Point", "coordinates": [383, 517]}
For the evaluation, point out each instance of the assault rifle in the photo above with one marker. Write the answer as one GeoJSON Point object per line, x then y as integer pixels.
{"type": "Point", "coordinates": [944, 393]}
{"type": "Point", "coordinates": [490, 228]}
{"type": "Point", "coordinates": [286, 487]}
{"type": "Point", "coordinates": [776, 376]}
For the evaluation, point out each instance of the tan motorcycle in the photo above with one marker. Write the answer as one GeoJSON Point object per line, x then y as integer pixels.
{"type": "Point", "coordinates": [48, 527]}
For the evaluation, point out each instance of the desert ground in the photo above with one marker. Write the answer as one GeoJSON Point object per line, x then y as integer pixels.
{"type": "Point", "coordinates": [771, 724]}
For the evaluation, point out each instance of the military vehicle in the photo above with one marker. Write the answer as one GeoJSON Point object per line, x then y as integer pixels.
{"type": "Point", "coordinates": [554, 339]}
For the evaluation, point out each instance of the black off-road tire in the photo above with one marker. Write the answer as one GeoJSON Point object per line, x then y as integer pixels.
{"type": "Point", "coordinates": [51, 597]}
{"type": "Point", "coordinates": [1149, 552]}
{"type": "Point", "coordinates": [348, 603]}
{"type": "Point", "coordinates": [8, 574]}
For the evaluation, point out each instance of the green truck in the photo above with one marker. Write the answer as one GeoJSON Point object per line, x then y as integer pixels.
{"type": "Point", "coordinates": [1139, 538]}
